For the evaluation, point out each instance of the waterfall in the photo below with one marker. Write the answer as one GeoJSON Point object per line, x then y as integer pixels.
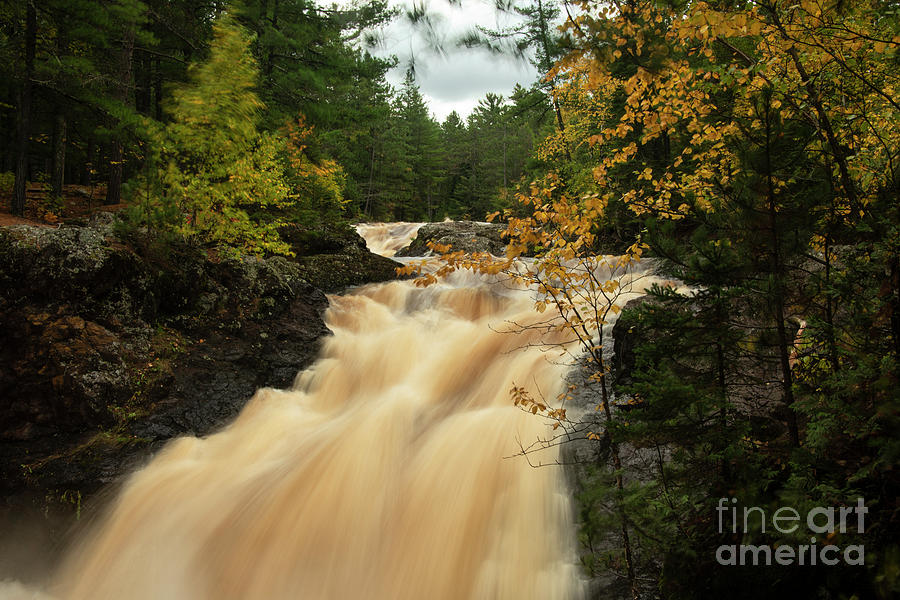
{"type": "Point", "coordinates": [387, 238]}
{"type": "Point", "coordinates": [390, 469]}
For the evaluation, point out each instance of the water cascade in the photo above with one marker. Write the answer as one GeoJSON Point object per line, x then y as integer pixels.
{"type": "Point", "coordinates": [388, 471]}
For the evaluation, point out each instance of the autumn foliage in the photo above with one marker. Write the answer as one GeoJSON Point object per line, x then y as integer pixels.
{"type": "Point", "coordinates": [213, 177]}
{"type": "Point", "coordinates": [752, 150]}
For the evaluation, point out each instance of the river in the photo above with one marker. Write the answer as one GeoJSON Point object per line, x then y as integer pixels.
{"type": "Point", "coordinates": [390, 470]}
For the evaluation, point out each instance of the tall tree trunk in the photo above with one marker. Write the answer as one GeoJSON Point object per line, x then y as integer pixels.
{"type": "Point", "coordinates": [829, 302]}
{"type": "Point", "coordinates": [58, 158]}
{"type": "Point", "coordinates": [114, 186]}
{"type": "Point", "coordinates": [143, 77]}
{"type": "Point", "coordinates": [58, 170]}
{"type": "Point", "coordinates": [24, 113]}
{"type": "Point", "coordinates": [371, 185]}
{"type": "Point", "coordinates": [116, 154]}
{"type": "Point", "coordinates": [547, 62]}
{"type": "Point", "coordinates": [777, 299]}
{"type": "Point", "coordinates": [88, 166]}
{"type": "Point", "coordinates": [837, 149]}
{"type": "Point", "coordinates": [270, 58]}
{"type": "Point", "coordinates": [6, 164]}
{"type": "Point", "coordinates": [895, 304]}
{"type": "Point", "coordinates": [157, 92]}
{"type": "Point", "coordinates": [722, 384]}
{"type": "Point", "coordinates": [261, 25]}
{"type": "Point", "coordinates": [504, 158]}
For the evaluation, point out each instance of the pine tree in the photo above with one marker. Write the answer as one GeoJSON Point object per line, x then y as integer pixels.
{"type": "Point", "coordinates": [410, 149]}
{"type": "Point", "coordinates": [215, 169]}
{"type": "Point", "coordinates": [455, 167]}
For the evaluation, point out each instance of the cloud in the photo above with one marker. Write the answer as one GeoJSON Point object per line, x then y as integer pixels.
{"type": "Point", "coordinates": [450, 77]}
{"type": "Point", "coordinates": [458, 81]}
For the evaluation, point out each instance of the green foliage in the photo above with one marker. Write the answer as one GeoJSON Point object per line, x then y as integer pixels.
{"type": "Point", "coordinates": [110, 70]}
{"type": "Point", "coordinates": [309, 60]}
{"type": "Point", "coordinates": [421, 170]}
{"type": "Point", "coordinates": [214, 176]}
{"type": "Point", "coordinates": [7, 179]}
{"type": "Point", "coordinates": [317, 186]}
{"type": "Point", "coordinates": [411, 188]}
{"type": "Point", "coordinates": [767, 369]}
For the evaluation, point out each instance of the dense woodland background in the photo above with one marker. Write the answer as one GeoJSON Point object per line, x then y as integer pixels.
{"type": "Point", "coordinates": [95, 93]}
{"type": "Point", "coordinates": [751, 148]}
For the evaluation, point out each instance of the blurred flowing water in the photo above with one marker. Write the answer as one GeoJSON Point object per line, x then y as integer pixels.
{"type": "Point", "coordinates": [388, 471]}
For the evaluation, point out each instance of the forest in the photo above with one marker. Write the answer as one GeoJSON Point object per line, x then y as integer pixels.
{"type": "Point", "coordinates": [750, 149]}
{"type": "Point", "coordinates": [112, 96]}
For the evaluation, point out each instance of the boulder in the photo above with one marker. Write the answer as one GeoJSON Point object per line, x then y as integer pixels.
{"type": "Point", "coordinates": [468, 236]}
{"type": "Point", "coordinates": [337, 258]}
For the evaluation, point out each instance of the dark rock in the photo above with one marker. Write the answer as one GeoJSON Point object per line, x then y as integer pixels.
{"type": "Point", "coordinates": [105, 353]}
{"type": "Point", "coordinates": [331, 240]}
{"type": "Point", "coordinates": [337, 258]}
{"type": "Point", "coordinates": [468, 236]}
{"type": "Point", "coordinates": [627, 334]}
{"type": "Point", "coordinates": [336, 272]}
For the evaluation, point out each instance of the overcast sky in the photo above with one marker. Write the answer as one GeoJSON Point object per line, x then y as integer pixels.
{"type": "Point", "coordinates": [457, 78]}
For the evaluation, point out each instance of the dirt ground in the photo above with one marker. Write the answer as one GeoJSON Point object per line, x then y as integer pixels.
{"type": "Point", "coordinates": [77, 202]}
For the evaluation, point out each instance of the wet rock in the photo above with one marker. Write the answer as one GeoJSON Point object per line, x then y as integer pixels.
{"type": "Point", "coordinates": [627, 333]}
{"type": "Point", "coordinates": [338, 258]}
{"type": "Point", "coordinates": [105, 353]}
{"type": "Point", "coordinates": [336, 272]}
{"type": "Point", "coordinates": [342, 260]}
{"type": "Point", "coordinates": [468, 236]}
{"type": "Point", "coordinates": [61, 373]}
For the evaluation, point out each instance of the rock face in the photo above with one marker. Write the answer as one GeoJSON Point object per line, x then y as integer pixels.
{"type": "Point", "coordinates": [627, 334]}
{"type": "Point", "coordinates": [337, 259]}
{"type": "Point", "coordinates": [469, 236]}
{"type": "Point", "coordinates": [105, 354]}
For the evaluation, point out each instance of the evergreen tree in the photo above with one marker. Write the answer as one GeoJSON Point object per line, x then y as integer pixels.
{"type": "Point", "coordinates": [306, 60]}
{"type": "Point", "coordinates": [409, 159]}
{"type": "Point", "coordinates": [455, 167]}
{"type": "Point", "coordinates": [489, 134]}
{"type": "Point", "coordinates": [216, 174]}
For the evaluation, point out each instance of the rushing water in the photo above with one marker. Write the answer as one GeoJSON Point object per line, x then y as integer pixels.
{"type": "Point", "coordinates": [387, 238]}
{"type": "Point", "coordinates": [383, 473]}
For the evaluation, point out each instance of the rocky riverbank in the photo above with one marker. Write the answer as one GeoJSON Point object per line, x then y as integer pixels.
{"type": "Point", "coordinates": [107, 353]}
{"type": "Point", "coordinates": [476, 236]}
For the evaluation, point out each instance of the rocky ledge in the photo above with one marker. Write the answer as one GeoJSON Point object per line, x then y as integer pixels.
{"type": "Point", "coordinates": [106, 353]}
{"type": "Point", "coordinates": [468, 236]}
